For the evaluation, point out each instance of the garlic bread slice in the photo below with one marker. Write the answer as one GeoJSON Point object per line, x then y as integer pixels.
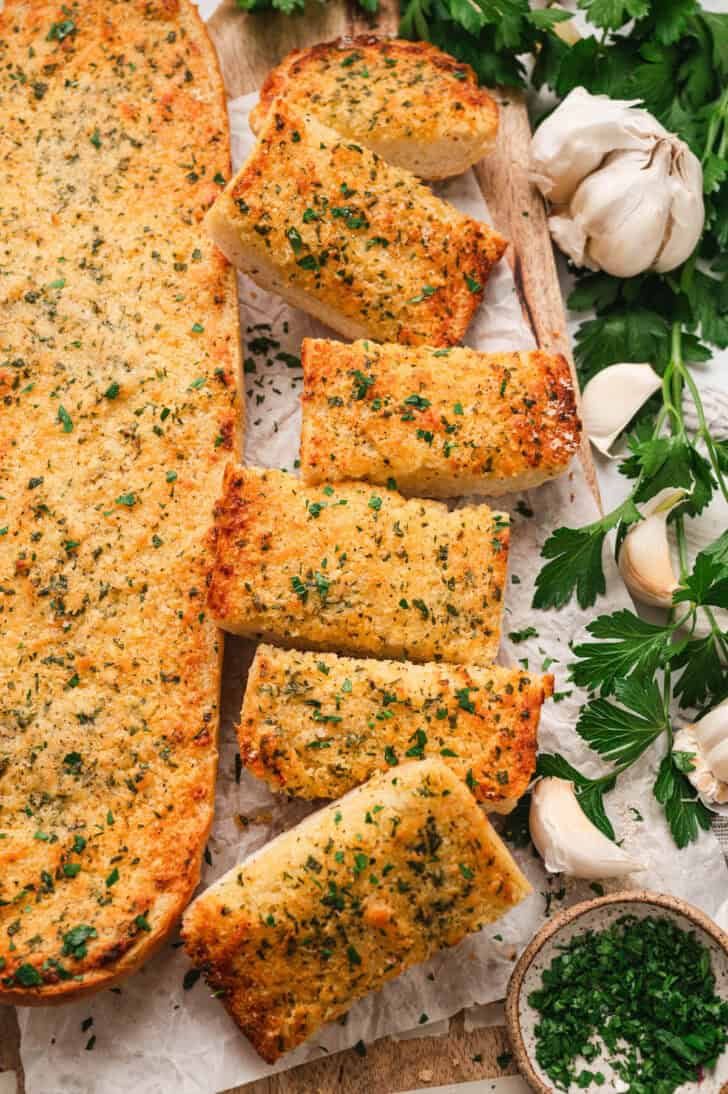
{"type": "Point", "coordinates": [416, 106]}
{"type": "Point", "coordinates": [399, 869]}
{"type": "Point", "coordinates": [363, 246]}
{"type": "Point", "coordinates": [357, 568]}
{"type": "Point", "coordinates": [441, 423]}
{"type": "Point", "coordinates": [314, 725]}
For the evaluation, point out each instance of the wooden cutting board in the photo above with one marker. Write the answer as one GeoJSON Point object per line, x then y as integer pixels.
{"type": "Point", "coordinates": [248, 46]}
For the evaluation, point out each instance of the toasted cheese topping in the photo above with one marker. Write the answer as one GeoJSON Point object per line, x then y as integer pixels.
{"type": "Point", "coordinates": [315, 724]}
{"type": "Point", "coordinates": [398, 869]}
{"type": "Point", "coordinates": [362, 245]}
{"type": "Point", "coordinates": [119, 357]}
{"type": "Point", "coordinates": [416, 106]}
{"type": "Point", "coordinates": [357, 568]}
{"type": "Point", "coordinates": [440, 422]}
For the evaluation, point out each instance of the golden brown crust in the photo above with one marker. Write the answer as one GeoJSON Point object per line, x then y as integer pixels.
{"type": "Point", "coordinates": [121, 405]}
{"type": "Point", "coordinates": [314, 725]}
{"type": "Point", "coordinates": [357, 568]}
{"type": "Point", "coordinates": [360, 244]}
{"type": "Point", "coordinates": [415, 105]}
{"type": "Point", "coordinates": [439, 422]}
{"type": "Point", "coordinates": [400, 868]}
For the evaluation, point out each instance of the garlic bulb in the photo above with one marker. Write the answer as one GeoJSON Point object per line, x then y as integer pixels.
{"type": "Point", "coordinates": [627, 196]}
{"type": "Point", "coordinates": [566, 839]}
{"type": "Point", "coordinates": [612, 398]}
{"type": "Point", "coordinates": [708, 740]}
{"type": "Point", "coordinates": [644, 559]}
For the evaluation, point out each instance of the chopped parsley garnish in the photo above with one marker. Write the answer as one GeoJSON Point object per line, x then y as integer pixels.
{"type": "Point", "coordinates": [426, 292]}
{"type": "Point", "coordinates": [294, 238]}
{"type": "Point", "coordinates": [417, 750]}
{"type": "Point", "coordinates": [74, 941]}
{"type": "Point", "coordinates": [28, 976]}
{"type": "Point", "coordinates": [190, 978]}
{"type": "Point", "coordinates": [417, 401]}
{"type": "Point", "coordinates": [299, 589]}
{"type": "Point", "coordinates": [464, 701]}
{"type": "Point", "coordinates": [362, 383]}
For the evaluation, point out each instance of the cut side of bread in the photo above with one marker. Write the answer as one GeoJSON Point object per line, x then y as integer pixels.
{"type": "Point", "coordinates": [441, 423]}
{"type": "Point", "coordinates": [363, 246]}
{"type": "Point", "coordinates": [400, 868]}
{"type": "Point", "coordinates": [356, 568]}
{"type": "Point", "coordinates": [315, 725]}
{"type": "Point", "coordinates": [416, 106]}
{"type": "Point", "coordinates": [120, 405]}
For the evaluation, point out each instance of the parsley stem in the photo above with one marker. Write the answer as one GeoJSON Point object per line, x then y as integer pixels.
{"type": "Point", "coordinates": [717, 117]}
{"type": "Point", "coordinates": [704, 431]}
{"type": "Point", "coordinates": [678, 427]}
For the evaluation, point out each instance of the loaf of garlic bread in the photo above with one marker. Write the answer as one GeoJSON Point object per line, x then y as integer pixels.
{"type": "Point", "coordinates": [416, 106]}
{"type": "Point", "coordinates": [363, 246]}
{"type": "Point", "coordinates": [356, 568]}
{"type": "Point", "coordinates": [314, 725]}
{"type": "Point", "coordinates": [120, 405]}
{"type": "Point", "coordinates": [440, 422]}
{"type": "Point", "coordinates": [401, 867]}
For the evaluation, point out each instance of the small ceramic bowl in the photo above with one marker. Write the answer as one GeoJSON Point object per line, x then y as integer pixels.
{"type": "Point", "coordinates": [521, 1019]}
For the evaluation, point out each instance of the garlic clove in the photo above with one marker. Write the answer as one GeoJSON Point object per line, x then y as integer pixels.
{"type": "Point", "coordinates": [711, 733]}
{"type": "Point", "coordinates": [624, 209]}
{"type": "Point", "coordinates": [687, 212]}
{"type": "Point", "coordinates": [612, 398]}
{"type": "Point", "coordinates": [575, 139]}
{"type": "Point", "coordinates": [570, 237]}
{"type": "Point", "coordinates": [567, 840]}
{"type": "Point", "coordinates": [644, 559]}
{"type": "Point", "coordinates": [707, 740]}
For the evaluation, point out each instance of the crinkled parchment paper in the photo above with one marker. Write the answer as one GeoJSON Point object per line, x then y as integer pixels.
{"type": "Point", "coordinates": [152, 1036]}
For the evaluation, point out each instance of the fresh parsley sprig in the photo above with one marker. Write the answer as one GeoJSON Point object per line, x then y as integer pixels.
{"type": "Point", "coordinates": [674, 57]}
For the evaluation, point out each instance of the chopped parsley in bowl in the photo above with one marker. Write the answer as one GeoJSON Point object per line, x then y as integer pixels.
{"type": "Point", "coordinates": [625, 993]}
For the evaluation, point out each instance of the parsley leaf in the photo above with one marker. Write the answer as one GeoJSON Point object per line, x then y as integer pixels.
{"type": "Point", "coordinates": [638, 334]}
{"type": "Point", "coordinates": [684, 811]}
{"type": "Point", "coordinates": [708, 581]}
{"type": "Point", "coordinates": [629, 646]}
{"type": "Point", "coordinates": [576, 561]}
{"type": "Point", "coordinates": [704, 678]}
{"type": "Point", "coordinates": [613, 14]}
{"type": "Point", "coordinates": [622, 733]}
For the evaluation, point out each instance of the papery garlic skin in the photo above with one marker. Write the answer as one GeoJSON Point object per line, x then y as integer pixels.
{"type": "Point", "coordinates": [627, 195]}
{"type": "Point", "coordinates": [574, 140]}
{"type": "Point", "coordinates": [566, 839]}
{"type": "Point", "coordinates": [612, 398]}
{"type": "Point", "coordinates": [644, 558]}
{"type": "Point", "coordinates": [707, 739]}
